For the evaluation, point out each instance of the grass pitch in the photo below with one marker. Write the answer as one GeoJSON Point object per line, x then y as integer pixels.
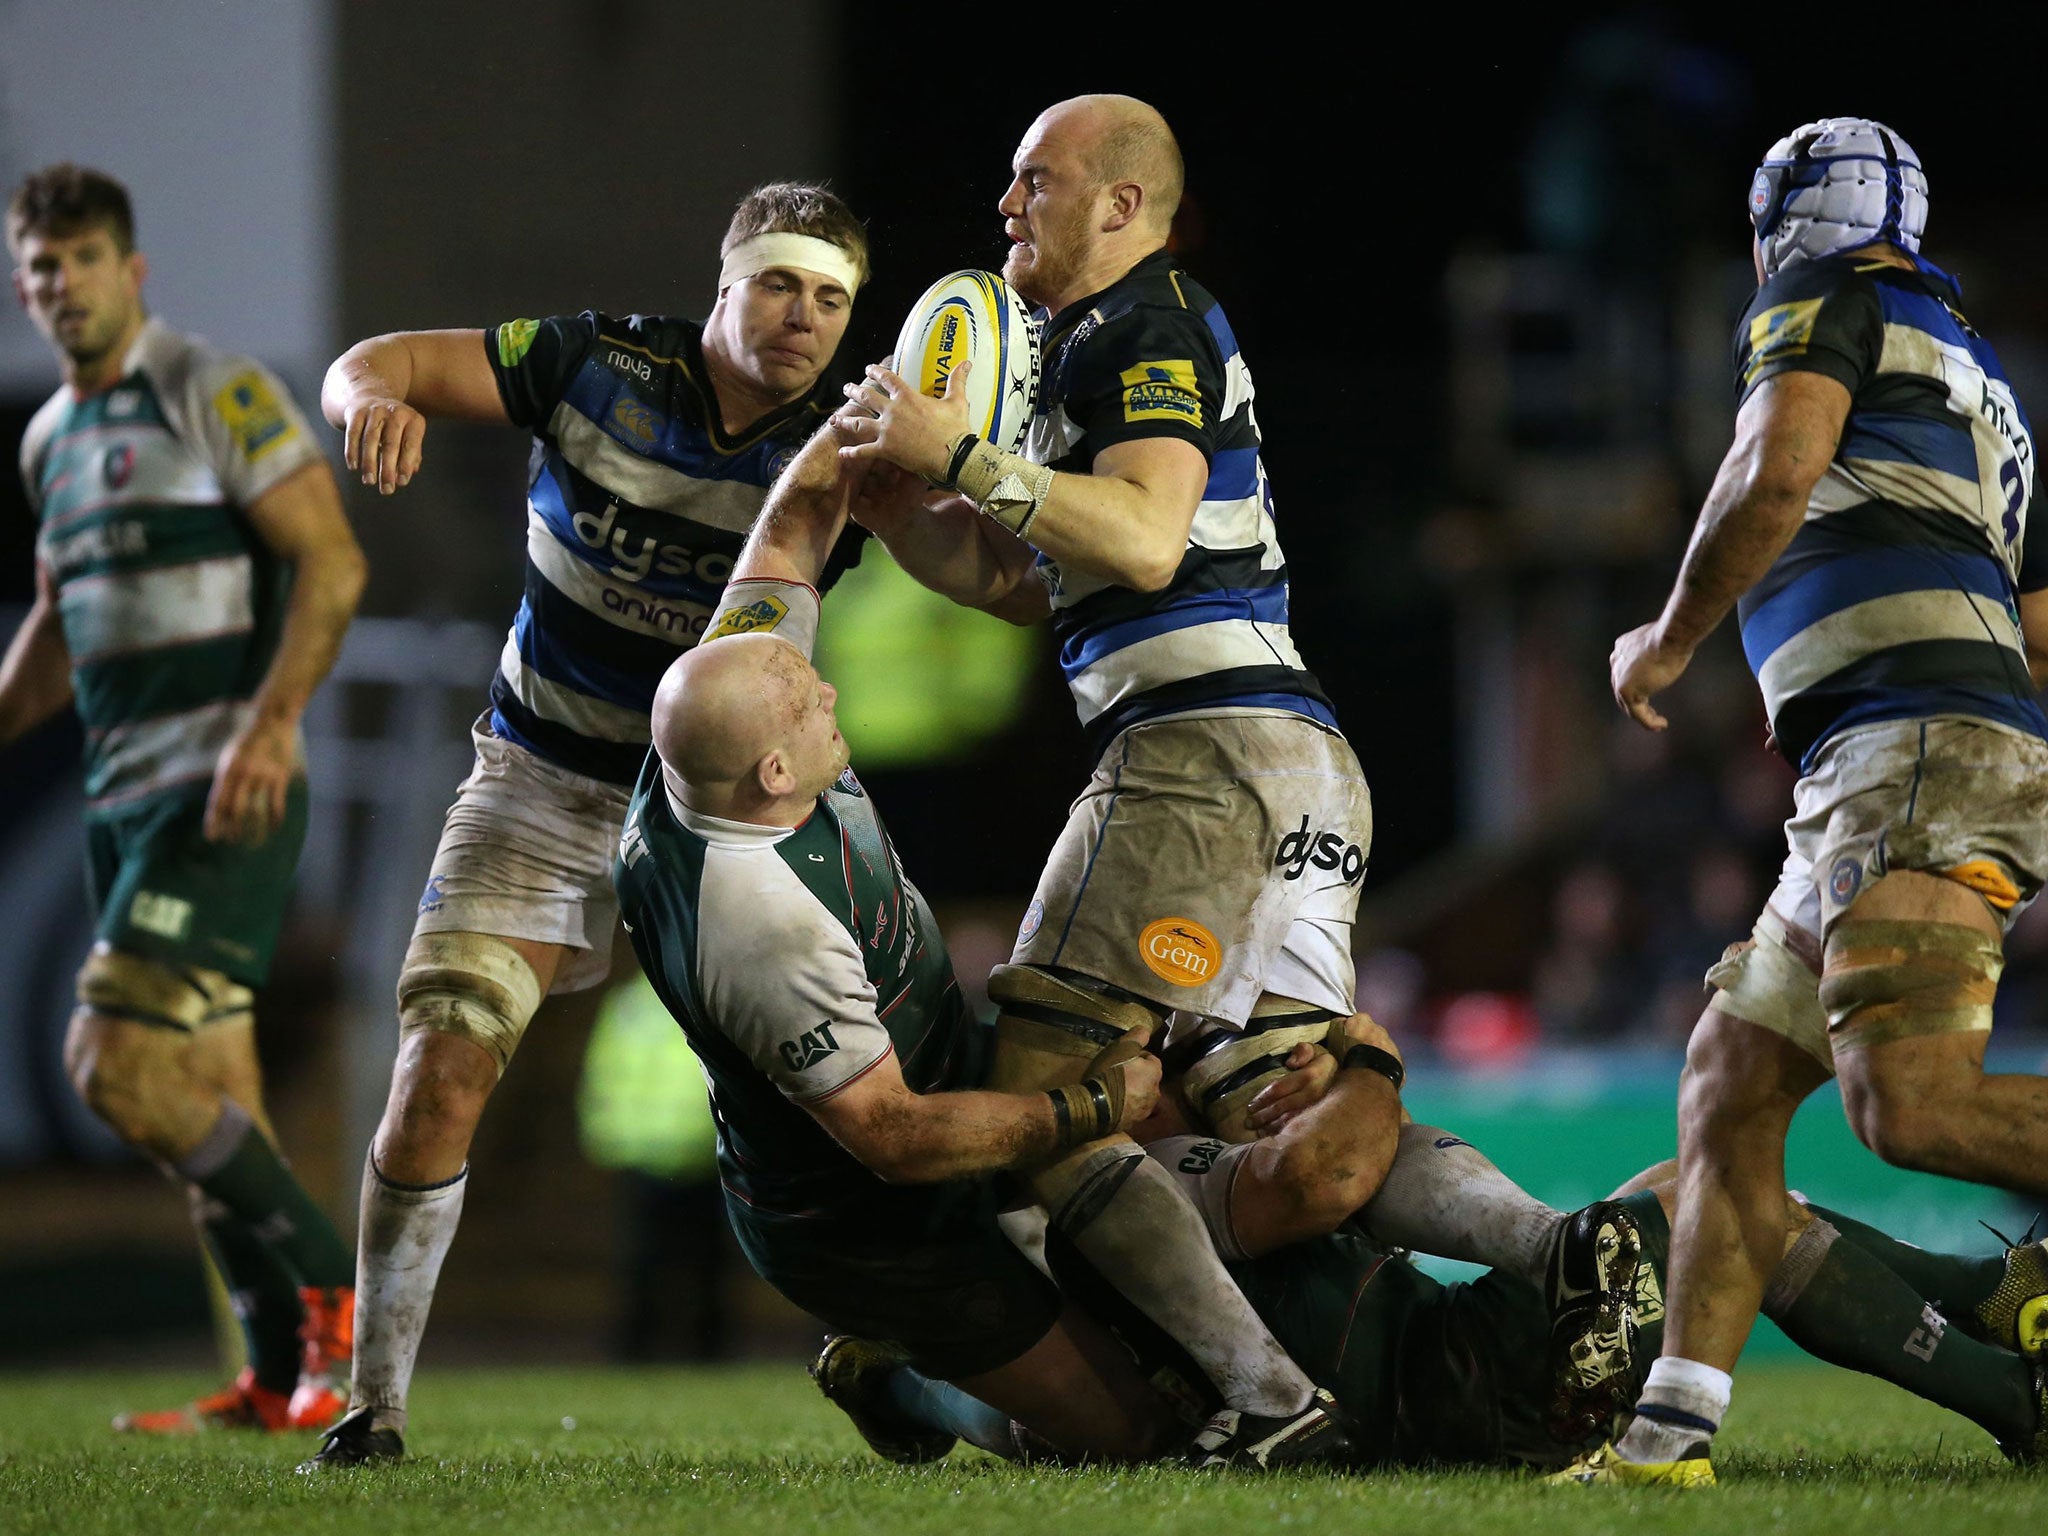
{"type": "Point", "coordinates": [754, 1449]}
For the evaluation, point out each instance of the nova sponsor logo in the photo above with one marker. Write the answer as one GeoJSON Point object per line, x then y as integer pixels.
{"type": "Point", "coordinates": [1325, 850]}
{"type": "Point", "coordinates": [1180, 950]}
{"type": "Point", "coordinates": [651, 558]}
{"type": "Point", "coordinates": [808, 1048]}
{"type": "Point", "coordinates": [626, 362]}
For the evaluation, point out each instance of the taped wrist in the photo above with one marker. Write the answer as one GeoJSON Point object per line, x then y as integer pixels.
{"type": "Point", "coordinates": [1373, 1059]}
{"type": "Point", "coordinates": [1088, 1110]}
{"type": "Point", "coordinates": [1008, 487]}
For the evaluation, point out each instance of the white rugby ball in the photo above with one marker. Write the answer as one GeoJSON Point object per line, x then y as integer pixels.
{"type": "Point", "coordinates": [975, 314]}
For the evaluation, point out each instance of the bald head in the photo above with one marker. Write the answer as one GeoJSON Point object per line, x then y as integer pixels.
{"type": "Point", "coordinates": [743, 724]}
{"type": "Point", "coordinates": [1121, 138]}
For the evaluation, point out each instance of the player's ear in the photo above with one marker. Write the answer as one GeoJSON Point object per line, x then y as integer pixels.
{"type": "Point", "coordinates": [20, 287]}
{"type": "Point", "coordinates": [1126, 200]}
{"type": "Point", "coordinates": [138, 268]}
{"type": "Point", "coordinates": [773, 776]}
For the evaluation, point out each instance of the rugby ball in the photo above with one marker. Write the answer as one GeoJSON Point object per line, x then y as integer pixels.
{"type": "Point", "coordinates": [975, 314]}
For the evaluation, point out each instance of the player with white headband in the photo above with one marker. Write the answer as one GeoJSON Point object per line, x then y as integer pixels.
{"type": "Point", "coordinates": [655, 439]}
{"type": "Point", "coordinates": [1869, 526]}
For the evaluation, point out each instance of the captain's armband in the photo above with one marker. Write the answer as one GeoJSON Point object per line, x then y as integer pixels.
{"type": "Point", "coordinates": [756, 605]}
{"type": "Point", "coordinates": [1006, 486]}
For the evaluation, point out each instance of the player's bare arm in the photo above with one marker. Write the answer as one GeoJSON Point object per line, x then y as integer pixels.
{"type": "Point", "coordinates": [35, 674]}
{"type": "Point", "coordinates": [381, 393]}
{"type": "Point", "coordinates": [1126, 521]}
{"type": "Point", "coordinates": [301, 521]}
{"type": "Point", "coordinates": [2034, 630]}
{"type": "Point", "coordinates": [804, 514]}
{"type": "Point", "coordinates": [904, 1137]}
{"type": "Point", "coordinates": [1785, 439]}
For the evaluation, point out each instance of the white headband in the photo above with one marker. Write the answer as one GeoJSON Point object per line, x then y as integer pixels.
{"type": "Point", "coordinates": [757, 253]}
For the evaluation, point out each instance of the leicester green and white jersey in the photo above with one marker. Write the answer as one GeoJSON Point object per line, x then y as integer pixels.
{"type": "Point", "coordinates": [796, 959]}
{"type": "Point", "coordinates": [171, 604]}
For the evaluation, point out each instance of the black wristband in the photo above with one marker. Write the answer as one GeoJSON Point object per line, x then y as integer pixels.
{"type": "Point", "coordinates": [1373, 1059]}
{"type": "Point", "coordinates": [958, 462]}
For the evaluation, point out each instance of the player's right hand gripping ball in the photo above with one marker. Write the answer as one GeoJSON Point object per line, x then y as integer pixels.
{"type": "Point", "coordinates": [975, 314]}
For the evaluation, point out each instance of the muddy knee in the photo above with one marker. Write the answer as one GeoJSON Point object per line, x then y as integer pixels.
{"type": "Point", "coordinates": [127, 1047]}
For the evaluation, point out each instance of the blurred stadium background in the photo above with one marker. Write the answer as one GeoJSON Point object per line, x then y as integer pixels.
{"type": "Point", "coordinates": [1485, 289]}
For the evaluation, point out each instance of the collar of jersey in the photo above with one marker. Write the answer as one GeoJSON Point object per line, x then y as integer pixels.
{"type": "Point", "coordinates": [721, 833]}
{"type": "Point", "coordinates": [1068, 318]}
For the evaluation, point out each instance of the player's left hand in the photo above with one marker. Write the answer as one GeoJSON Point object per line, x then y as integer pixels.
{"type": "Point", "coordinates": [1310, 1071]}
{"type": "Point", "coordinates": [885, 418]}
{"type": "Point", "coordinates": [250, 783]}
{"type": "Point", "coordinates": [1643, 664]}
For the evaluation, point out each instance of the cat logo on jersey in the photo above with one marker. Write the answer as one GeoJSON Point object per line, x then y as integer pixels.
{"type": "Point", "coordinates": [253, 415]}
{"type": "Point", "coordinates": [808, 1048]}
{"type": "Point", "coordinates": [1162, 391]}
{"type": "Point", "coordinates": [515, 340]}
{"type": "Point", "coordinates": [1780, 332]}
{"type": "Point", "coordinates": [759, 616]}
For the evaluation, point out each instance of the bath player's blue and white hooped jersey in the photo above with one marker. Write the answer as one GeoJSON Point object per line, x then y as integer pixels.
{"type": "Point", "coordinates": [637, 505]}
{"type": "Point", "coordinates": [1153, 356]}
{"type": "Point", "coordinates": [1897, 598]}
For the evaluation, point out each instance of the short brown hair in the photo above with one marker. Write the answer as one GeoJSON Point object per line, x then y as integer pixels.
{"type": "Point", "coordinates": [799, 208]}
{"type": "Point", "coordinates": [67, 199]}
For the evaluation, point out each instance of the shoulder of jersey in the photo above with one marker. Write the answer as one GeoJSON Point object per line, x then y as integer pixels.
{"type": "Point", "coordinates": [975, 314]}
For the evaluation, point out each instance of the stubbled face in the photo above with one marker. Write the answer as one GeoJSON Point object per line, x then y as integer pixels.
{"type": "Point", "coordinates": [82, 293]}
{"type": "Point", "coordinates": [813, 751]}
{"type": "Point", "coordinates": [1050, 211]}
{"type": "Point", "coordinates": [779, 328]}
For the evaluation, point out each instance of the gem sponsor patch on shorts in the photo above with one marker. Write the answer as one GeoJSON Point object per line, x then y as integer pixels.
{"type": "Point", "coordinates": [761, 615]}
{"type": "Point", "coordinates": [1180, 950]}
{"type": "Point", "coordinates": [250, 410]}
{"type": "Point", "coordinates": [1163, 391]}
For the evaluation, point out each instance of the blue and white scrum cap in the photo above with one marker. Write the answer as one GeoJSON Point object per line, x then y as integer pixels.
{"type": "Point", "coordinates": [1834, 185]}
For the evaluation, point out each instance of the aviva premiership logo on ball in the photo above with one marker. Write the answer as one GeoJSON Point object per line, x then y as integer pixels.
{"type": "Point", "coordinates": [761, 615]}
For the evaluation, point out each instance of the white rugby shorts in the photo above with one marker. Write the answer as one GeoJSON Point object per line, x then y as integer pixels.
{"type": "Point", "coordinates": [1212, 858]}
{"type": "Point", "coordinates": [526, 853]}
{"type": "Point", "coordinates": [1957, 797]}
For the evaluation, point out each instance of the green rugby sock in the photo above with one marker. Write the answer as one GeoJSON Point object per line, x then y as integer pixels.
{"type": "Point", "coordinates": [1839, 1303]}
{"type": "Point", "coordinates": [1954, 1282]}
{"type": "Point", "coordinates": [237, 1165]}
{"type": "Point", "coordinates": [265, 1293]}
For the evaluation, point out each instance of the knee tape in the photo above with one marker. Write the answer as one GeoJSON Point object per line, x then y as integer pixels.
{"type": "Point", "coordinates": [1888, 980]}
{"type": "Point", "coordinates": [470, 985]}
{"type": "Point", "coordinates": [1075, 1189]}
{"type": "Point", "coordinates": [1231, 1067]}
{"type": "Point", "coordinates": [126, 986]}
{"type": "Point", "coordinates": [1206, 1170]}
{"type": "Point", "coordinates": [1048, 1028]}
{"type": "Point", "coordinates": [1767, 982]}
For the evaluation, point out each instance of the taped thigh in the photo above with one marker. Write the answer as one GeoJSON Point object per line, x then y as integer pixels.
{"type": "Point", "coordinates": [467, 984]}
{"type": "Point", "coordinates": [1231, 1067]}
{"type": "Point", "coordinates": [1888, 980]}
{"type": "Point", "coordinates": [1048, 1028]}
{"type": "Point", "coordinates": [1768, 982]}
{"type": "Point", "coordinates": [1079, 1186]}
{"type": "Point", "coordinates": [126, 986]}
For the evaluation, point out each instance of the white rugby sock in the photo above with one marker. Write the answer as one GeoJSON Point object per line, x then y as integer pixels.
{"type": "Point", "coordinates": [1683, 1402]}
{"type": "Point", "coordinates": [1122, 1211]}
{"type": "Point", "coordinates": [1445, 1197]}
{"type": "Point", "coordinates": [403, 1237]}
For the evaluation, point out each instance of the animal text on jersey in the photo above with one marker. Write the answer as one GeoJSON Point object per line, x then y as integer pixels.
{"type": "Point", "coordinates": [171, 605]}
{"type": "Point", "coordinates": [637, 504]}
{"type": "Point", "coordinates": [1897, 598]}
{"type": "Point", "coordinates": [1153, 356]}
{"type": "Point", "coordinates": [795, 961]}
